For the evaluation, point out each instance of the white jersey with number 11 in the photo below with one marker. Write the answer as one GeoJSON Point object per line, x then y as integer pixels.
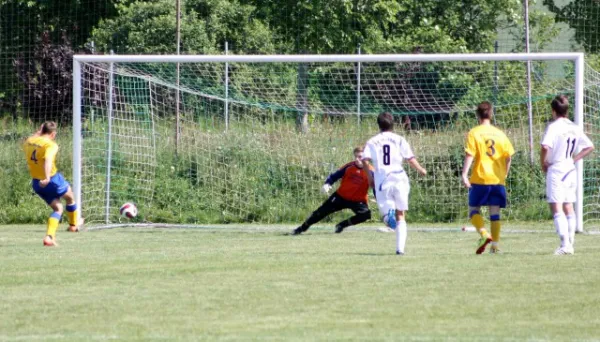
{"type": "Point", "coordinates": [565, 139]}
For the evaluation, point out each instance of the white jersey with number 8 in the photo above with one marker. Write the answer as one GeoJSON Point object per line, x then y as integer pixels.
{"type": "Point", "coordinates": [387, 151]}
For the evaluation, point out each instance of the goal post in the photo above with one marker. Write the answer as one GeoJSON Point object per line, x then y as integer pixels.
{"type": "Point", "coordinates": [264, 100]}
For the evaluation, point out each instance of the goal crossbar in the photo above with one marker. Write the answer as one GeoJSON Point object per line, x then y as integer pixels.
{"type": "Point", "coordinates": [328, 58]}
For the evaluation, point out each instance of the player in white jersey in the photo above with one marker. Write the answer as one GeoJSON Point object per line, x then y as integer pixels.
{"type": "Point", "coordinates": [564, 143]}
{"type": "Point", "coordinates": [386, 151]}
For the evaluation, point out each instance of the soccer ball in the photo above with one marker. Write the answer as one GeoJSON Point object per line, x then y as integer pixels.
{"type": "Point", "coordinates": [128, 210]}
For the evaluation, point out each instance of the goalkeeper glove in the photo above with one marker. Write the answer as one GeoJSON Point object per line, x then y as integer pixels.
{"type": "Point", "coordinates": [325, 189]}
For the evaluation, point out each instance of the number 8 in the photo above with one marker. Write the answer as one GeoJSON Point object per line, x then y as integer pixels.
{"type": "Point", "coordinates": [386, 154]}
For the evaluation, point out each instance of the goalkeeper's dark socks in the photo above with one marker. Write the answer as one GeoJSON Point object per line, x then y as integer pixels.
{"type": "Point", "coordinates": [300, 229]}
{"type": "Point", "coordinates": [342, 225]}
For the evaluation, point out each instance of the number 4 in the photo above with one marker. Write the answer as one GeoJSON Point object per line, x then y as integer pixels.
{"type": "Point", "coordinates": [33, 157]}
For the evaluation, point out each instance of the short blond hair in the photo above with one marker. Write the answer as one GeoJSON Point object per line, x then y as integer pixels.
{"type": "Point", "coordinates": [358, 149]}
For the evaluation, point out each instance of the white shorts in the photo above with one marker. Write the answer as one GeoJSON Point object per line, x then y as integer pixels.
{"type": "Point", "coordinates": [561, 187]}
{"type": "Point", "coordinates": [393, 193]}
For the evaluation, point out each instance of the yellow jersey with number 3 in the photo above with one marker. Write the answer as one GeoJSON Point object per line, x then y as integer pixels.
{"type": "Point", "coordinates": [37, 150]}
{"type": "Point", "coordinates": [489, 147]}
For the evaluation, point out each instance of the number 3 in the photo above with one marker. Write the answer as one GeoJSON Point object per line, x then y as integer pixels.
{"type": "Point", "coordinates": [490, 145]}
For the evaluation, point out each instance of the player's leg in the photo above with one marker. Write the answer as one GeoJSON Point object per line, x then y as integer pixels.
{"type": "Point", "coordinates": [51, 195]}
{"type": "Point", "coordinates": [570, 184]}
{"type": "Point", "coordinates": [387, 206]}
{"type": "Point", "coordinates": [496, 201]}
{"type": "Point", "coordinates": [331, 205]}
{"type": "Point", "coordinates": [53, 221]}
{"type": "Point", "coordinates": [401, 193]}
{"type": "Point", "coordinates": [495, 226]}
{"type": "Point", "coordinates": [361, 214]}
{"type": "Point", "coordinates": [571, 221]}
{"type": "Point", "coordinates": [401, 232]}
{"type": "Point", "coordinates": [562, 229]}
{"type": "Point", "coordinates": [555, 194]}
{"type": "Point", "coordinates": [72, 211]}
{"type": "Point", "coordinates": [478, 196]}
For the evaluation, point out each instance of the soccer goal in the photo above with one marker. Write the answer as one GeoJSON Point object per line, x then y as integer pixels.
{"type": "Point", "coordinates": [219, 139]}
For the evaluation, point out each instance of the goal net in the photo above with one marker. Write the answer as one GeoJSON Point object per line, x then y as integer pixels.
{"type": "Point", "coordinates": [220, 139]}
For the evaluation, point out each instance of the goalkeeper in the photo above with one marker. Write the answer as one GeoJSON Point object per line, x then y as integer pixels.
{"type": "Point", "coordinates": [352, 194]}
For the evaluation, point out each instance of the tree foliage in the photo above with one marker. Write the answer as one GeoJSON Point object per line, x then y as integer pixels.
{"type": "Point", "coordinates": [24, 24]}
{"type": "Point", "coordinates": [584, 17]}
{"type": "Point", "coordinates": [48, 77]}
{"type": "Point", "coordinates": [150, 27]}
{"type": "Point", "coordinates": [383, 26]}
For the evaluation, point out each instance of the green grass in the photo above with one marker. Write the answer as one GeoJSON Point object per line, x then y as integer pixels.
{"type": "Point", "coordinates": [254, 283]}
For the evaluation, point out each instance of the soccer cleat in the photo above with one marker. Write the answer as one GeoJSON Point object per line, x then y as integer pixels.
{"type": "Point", "coordinates": [339, 229]}
{"type": "Point", "coordinates": [564, 251]}
{"type": "Point", "coordinates": [385, 230]}
{"type": "Point", "coordinates": [75, 229]}
{"type": "Point", "coordinates": [49, 241]}
{"type": "Point", "coordinates": [399, 253]}
{"type": "Point", "coordinates": [298, 231]}
{"type": "Point", "coordinates": [483, 242]}
{"type": "Point", "coordinates": [495, 250]}
{"type": "Point", "coordinates": [391, 219]}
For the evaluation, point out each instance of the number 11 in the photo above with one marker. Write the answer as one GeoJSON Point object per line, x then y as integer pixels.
{"type": "Point", "coordinates": [572, 147]}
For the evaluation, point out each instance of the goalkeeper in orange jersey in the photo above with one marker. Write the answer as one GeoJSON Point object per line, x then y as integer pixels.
{"type": "Point", "coordinates": [40, 154]}
{"type": "Point", "coordinates": [352, 194]}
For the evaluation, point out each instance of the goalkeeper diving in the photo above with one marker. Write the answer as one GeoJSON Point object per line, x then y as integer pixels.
{"type": "Point", "coordinates": [352, 194]}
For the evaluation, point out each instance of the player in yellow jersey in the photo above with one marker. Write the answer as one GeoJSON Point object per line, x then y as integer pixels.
{"type": "Point", "coordinates": [489, 151]}
{"type": "Point", "coordinates": [48, 183]}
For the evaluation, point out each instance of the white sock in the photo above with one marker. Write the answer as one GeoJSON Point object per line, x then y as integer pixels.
{"type": "Point", "coordinates": [562, 229]}
{"type": "Point", "coordinates": [401, 233]}
{"type": "Point", "coordinates": [571, 219]}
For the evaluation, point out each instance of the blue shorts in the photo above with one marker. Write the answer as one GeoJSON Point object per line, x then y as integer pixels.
{"type": "Point", "coordinates": [485, 195]}
{"type": "Point", "coordinates": [57, 187]}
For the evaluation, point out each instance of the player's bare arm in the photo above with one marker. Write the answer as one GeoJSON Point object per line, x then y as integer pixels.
{"type": "Point", "coordinates": [544, 158]}
{"type": "Point", "coordinates": [49, 161]}
{"type": "Point", "coordinates": [508, 163]}
{"type": "Point", "coordinates": [414, 163]}
{"type": "Point", "coordinates": [465, 171]}
{"type": "Point", "coordinates": [367, 163]}
{"type": "Point", "coordinates": [583, 153]}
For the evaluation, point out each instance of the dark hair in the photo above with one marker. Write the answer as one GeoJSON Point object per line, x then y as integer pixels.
{"type": "Point", "coordinates": [484, 110]}
{"type": "Point", "coordinates": [48, 127]}
{"type": "Point", "coordinates": [358, 149]}
{"type": "Point", "coordinates": [385, 121]}
{"type": "Point", "coordinates": [560, 105]}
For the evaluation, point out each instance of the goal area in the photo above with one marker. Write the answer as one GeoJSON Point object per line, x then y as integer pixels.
{"type": "Point", "coordinates": [197, 140]}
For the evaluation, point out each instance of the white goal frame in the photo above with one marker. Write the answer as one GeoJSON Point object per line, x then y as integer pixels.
{"type": "Point", "coordinates": [577, 58]}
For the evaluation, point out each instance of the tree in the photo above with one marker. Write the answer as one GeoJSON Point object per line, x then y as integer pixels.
{"type": "Point", "coordinates": [24, 24]}
{"type": "Point", "coordinates": [150, 27]}
{"type": "Point", "coordinates": [383, 26]}
{"type": "Point", "coordinates": [47, 79]}
{"type": "Point", "coordinates": [584, 17]}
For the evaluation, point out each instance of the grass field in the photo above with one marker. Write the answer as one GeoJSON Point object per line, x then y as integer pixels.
{"type": "Point", "coordinates": [255, 283]}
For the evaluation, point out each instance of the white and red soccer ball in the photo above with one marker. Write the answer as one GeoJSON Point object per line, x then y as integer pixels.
{"type": "Point", "coordinates": [128, 210]}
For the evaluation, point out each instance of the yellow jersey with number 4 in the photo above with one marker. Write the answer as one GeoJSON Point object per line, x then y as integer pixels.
{"type": "Point", "coordinates": [37, 151]}
{"type": "Point", "coordinates": [489, 147]}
